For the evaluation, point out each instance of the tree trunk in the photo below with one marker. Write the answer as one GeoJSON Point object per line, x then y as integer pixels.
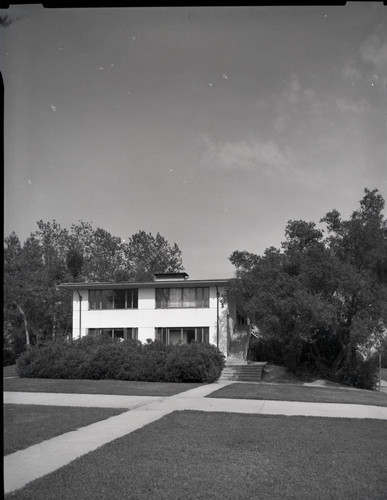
{"type": "Point", "coordinates": [28, 343]}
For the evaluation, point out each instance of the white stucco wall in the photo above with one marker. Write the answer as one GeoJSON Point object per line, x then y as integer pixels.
{"type": "Point", "coordinates": [146, 318]}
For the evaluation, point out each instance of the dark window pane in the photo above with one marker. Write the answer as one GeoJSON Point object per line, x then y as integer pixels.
{"type": "Point", "coordinates": [94, 299]}
{"type": "Point", "coordinates": [131, 333]}
{"type": "Point", "coordinates": [91, 299]}
{"type": "Point", "coordinates": [199, 297]}
{"type": "Point", "coordinates": [164, 336]}
{"type": "Point", "coordinates": [119, 299]}
{"type": "Point", "coordinates": [118, 333]}
{"type": "Point", "coordinates": [134, 298]}
{"type": "Point", "coordinates": [98, 299]}
{"type": "Point", "coordinates": [162, 296]}
{"type": "Point", "coordinates": [161, 335]}
{"type": "Point", "coordinates": [107, 299]}
{"type": "Point", "coordinates": [129, 299]}
{"type": "Point", "coordinates": [159, 300]}
{"type": "Point", "coordinates": [206, 297]}
{"type": "Point", "coordinates": [175, 335]}
{"type": "Point", "coordinates": [202, 335]}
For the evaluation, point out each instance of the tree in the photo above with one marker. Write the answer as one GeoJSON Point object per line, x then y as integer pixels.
{"type": "Point", "coordinates": [323, 298]}
{"type": "Point", "coordinates": [24, 289]}
{"type": "Point", "coordinates": [146, 255]}
{"type": "Point", "coordinates": [36, 308]}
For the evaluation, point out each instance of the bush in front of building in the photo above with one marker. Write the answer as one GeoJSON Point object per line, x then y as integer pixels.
{"type": "Point", "coordinates": [194, 363]}
{"type": "Point", "coordinates": [105, 358]}
{"type": "Point", "coordinates": [51, 360]}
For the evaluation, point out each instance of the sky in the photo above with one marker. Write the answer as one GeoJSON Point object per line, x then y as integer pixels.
{"type": "Point", "coordinates": [213, 126]}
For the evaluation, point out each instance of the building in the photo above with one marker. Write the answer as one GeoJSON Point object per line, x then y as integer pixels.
{"type": "Point", "coordinates": [171, 309]}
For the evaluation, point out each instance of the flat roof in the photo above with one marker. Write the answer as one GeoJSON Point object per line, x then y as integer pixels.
{"type": "Point", "coordinates": [143, 284]}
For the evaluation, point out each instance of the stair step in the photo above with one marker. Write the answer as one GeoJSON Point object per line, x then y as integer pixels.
{"type": "Point", "coordinates": [239, 379]}
{"type": "Point", "coordinates": [245, 369]}
{"type": "Point", "coordinates": [254, 375]}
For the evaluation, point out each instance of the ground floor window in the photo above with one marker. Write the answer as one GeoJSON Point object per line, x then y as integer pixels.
{"type": "Point", "coordinates": [114, 333]}
{"type": "Point", "coordinates": [183, 335]}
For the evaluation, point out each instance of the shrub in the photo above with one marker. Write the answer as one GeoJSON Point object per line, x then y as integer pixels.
{"type": "Point", "coordinates": [194, 363]}
{"type": "Point", "coordinates": [103, 358]}
{"type": "Point", "coordinates": [359, 373]}
{"type": "Point", "coordinates": [154, 361]}
{"type": "Point", "coordinates": [51, 360]}
{"type": "Point", "coordinates": [263, 349]}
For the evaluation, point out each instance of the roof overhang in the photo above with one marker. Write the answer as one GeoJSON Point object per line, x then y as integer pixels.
{"type": "Point", "coordinates": [146, 284]}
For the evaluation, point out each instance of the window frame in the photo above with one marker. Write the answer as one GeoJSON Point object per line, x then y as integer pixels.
{"type": "Point", "coordinates": [163, 297]}
{"type": "Point", "coordinates": [99, 297]}
{"type": "Point", "coordinates": [130, 333]}
{"type": "Point", "coordinates": [202, 334]}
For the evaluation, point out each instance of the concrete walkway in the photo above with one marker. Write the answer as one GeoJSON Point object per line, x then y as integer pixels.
{"type": "Point", "coordinates": [36, 461]}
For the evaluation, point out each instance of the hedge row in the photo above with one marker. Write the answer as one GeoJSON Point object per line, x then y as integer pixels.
{"type": "Point", "coordinates": [102, 358]}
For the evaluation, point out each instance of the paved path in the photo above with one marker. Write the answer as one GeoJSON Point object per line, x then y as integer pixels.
{"type": "Point", "coordinates": [36, 461]}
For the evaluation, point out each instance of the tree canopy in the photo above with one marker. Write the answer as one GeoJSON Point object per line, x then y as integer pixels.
{"type": "Point", "coordinates": [322, 297]}
{"type": "Point", "coordinates": [35, 308]}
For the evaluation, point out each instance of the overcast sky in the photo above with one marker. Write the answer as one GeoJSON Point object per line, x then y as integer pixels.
{"type": "Point", "coordinates": [213, 126]}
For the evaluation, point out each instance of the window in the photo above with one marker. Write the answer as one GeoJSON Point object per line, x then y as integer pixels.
{"type": "Point", "coordinates": [169, 298]}
{"type": "Point", "coordinates": [113, 299]}
{"type": "Point", "coordinates": [241, 320]}
{"type": "Point", "coordinates": [183, 335]}
{"type": "Point", "coordinates": [114, 333]}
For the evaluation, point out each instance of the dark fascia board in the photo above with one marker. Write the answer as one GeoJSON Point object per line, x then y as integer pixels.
{"type": "Point", "coordinates": [147, 284]}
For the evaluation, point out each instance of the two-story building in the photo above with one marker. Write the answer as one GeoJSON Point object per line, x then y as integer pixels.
{"type": "Point", "coordinates": [171, 309]}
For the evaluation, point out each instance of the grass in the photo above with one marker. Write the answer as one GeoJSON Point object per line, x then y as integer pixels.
{"type": "Point", "coordinates": [300, 393]}
{"type": "Point", "coordinates": [116, 387]}
{"type": "Point", "coordinates": [26, 425]}
{"type": "Point", "coordinates": [194, 455]}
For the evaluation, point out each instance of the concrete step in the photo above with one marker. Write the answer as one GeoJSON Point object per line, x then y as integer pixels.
{"type": "Point", "coordinates": [243, 373]}
{"type": "Point", "coordinates": [244, 369]}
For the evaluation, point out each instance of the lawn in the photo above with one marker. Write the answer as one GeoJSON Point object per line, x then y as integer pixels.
{"type": "Point", "coordinates": [230, 456]}
{"type": "Point", "coordinates": [116, 387]}
{"type": "Point", "coordinates": [300, 393]}
{"type": "Point", "coordinates": [25, 425]}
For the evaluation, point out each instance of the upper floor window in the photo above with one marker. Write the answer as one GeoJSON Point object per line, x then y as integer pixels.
{"type": "Point", "coordinates": [168, 298]}
{"type": "Point", "coordinates": [113, 299]}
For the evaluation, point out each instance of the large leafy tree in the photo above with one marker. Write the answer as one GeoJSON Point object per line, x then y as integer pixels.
{"type": "Point", "coordinates": [146, 254]}
{"type": "Point", "coordinates": [322, 296]}
{"type": "Point", "coordinates": [35, 308]}
{"type": "Point", "coordinates": [32, 300]}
